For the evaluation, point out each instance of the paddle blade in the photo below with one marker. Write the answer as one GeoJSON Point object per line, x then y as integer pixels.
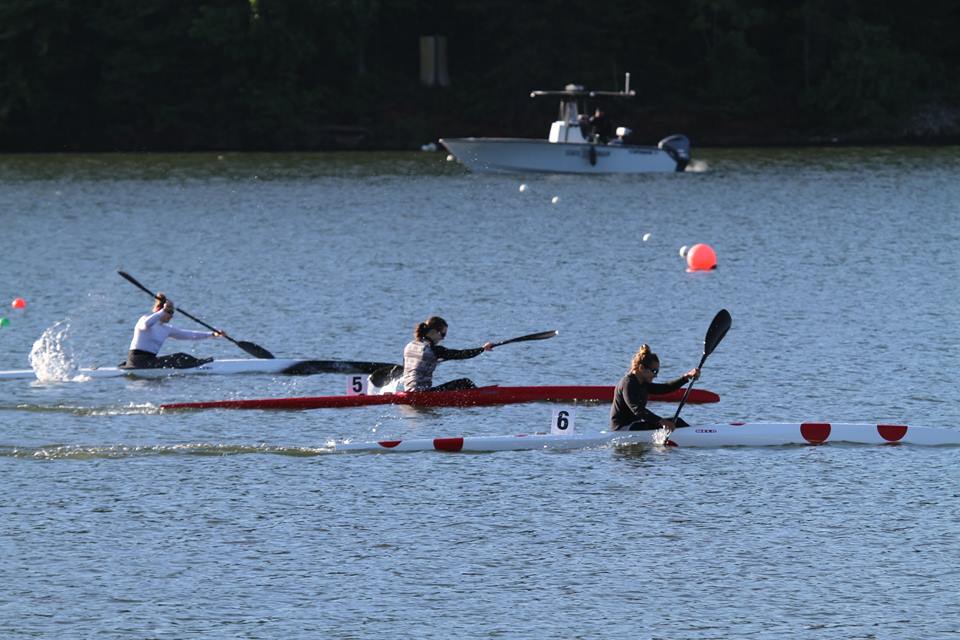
{"type": "Point", "coordinates": [382, 377]}
{"type": "Point", "coordinates": [543, 335]}
{"type": "Point", "coordinates": [255, 350]}
{"type": "Point", "coordinates": [718, 329]}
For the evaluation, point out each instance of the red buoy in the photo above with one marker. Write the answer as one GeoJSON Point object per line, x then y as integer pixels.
{"type": "Point", "coordinates": [701, 257]}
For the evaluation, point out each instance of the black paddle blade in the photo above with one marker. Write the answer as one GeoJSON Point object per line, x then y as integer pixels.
{"type": "Point", "coordinates": [543, 335]}
{"type": "Point", "coordinates": [255, 350]}
{"type": "Point", "coordinates": [718, 329]}
{"type": "Point", "coordinates": [385, 375]}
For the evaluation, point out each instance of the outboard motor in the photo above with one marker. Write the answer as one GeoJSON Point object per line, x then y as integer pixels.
{"type": "Point", "coordinates": [678, 146]}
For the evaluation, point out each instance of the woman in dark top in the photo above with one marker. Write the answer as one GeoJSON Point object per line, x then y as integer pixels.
{"type": "Point", "coordinates": [421, 355]}
{"type": "Point", "coordinates": [629, 409]}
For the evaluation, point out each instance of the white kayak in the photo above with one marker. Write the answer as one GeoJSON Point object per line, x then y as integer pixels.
{"type": "Point", "coordinates": [757, 434]}
{"type": "Point", "coordinates": [228, 366]}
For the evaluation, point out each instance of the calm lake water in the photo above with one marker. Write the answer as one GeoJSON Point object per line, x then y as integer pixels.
{"type": "Point", "coordinates": [840, 268]}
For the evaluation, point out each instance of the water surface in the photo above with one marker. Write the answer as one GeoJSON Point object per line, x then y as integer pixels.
{"type": "Point", "coordinates": [839, 267]}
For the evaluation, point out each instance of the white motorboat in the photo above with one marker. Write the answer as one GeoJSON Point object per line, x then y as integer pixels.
{"type": "Point", "coordinates": [572, 146]}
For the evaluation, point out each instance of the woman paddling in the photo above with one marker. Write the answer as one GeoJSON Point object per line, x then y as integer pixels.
{"type": "Point", "coordinates": [421, 355]}
{"type": "Point", "coordinates": [629, 409]}
{"type": "Point", "coordinates": [150, 333]}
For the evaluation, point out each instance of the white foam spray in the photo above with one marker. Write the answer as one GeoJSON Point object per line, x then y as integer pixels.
{"type": "Point", "coordinates": [51, 356]}
{"type": "Point", "coordinates": [660, 437]}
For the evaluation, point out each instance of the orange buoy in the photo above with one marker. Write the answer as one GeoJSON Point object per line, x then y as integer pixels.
{"type": "Point", "coordinates": [19, 303]}
{"type": "Point", "coordinates": [701, 257]}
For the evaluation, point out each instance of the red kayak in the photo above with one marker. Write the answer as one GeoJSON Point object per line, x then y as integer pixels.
{"type": "Point", "coordinates": [481, 396]}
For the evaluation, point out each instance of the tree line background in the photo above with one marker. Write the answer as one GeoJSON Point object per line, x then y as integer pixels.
{"type": "Point", "coordinates": [322, 74]}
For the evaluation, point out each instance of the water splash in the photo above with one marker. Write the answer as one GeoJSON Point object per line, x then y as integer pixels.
{"type": "Point", "coordinates": [698, 166]}
{"type": "Point", "coordinates": [660, 437]}
{"type": "Point", "coordinates": [51, 356]}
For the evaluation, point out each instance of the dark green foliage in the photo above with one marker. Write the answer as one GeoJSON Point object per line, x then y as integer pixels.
{"type": "Point", "coordinates": [320, 74]}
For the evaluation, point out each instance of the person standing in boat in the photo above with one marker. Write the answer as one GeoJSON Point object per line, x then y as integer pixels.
{"type": "Point", "coordinates": [421, 355]}
{"type": "Point", "coordinates": [602, 128]}
{"type": "Point", "coordinates": [629, 409]}
{"type": "Point", "coordinates": [150, 333]}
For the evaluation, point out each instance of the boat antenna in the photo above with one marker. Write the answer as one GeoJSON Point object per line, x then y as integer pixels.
{"type": "Point", "coordinates": [626, 86]}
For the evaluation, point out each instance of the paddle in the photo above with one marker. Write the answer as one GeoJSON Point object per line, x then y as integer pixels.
{"type": "Point", "coordinates": [385, 375]}
{"type": "Point", "coordinates": [253, 349]}
{"type": "Point", "coordinates": [718, 329]}
{"type": "Point", "coordinates": [543, 335]}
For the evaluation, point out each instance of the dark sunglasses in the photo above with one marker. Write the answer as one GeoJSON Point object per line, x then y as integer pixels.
{"type": "Point", "coordinates": [653, 370]}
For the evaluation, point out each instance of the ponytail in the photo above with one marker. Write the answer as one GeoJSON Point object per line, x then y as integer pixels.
{"type": "Point", "coordinates": [644, 357]}
{"type": "Point", "coordinates": [423, 328]}
{"type": "Point", "coordinates": [420, 331]}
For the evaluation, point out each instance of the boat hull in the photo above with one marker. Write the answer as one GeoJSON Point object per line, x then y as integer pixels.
{"type": "Point", "coordinates": [228, 366]}
{"type": "Point", "coordinates": [518, 155]}
{"type": "Point", "coordinates": [721, 435]}
{"type": "Point", "coordinates": [481, 396]}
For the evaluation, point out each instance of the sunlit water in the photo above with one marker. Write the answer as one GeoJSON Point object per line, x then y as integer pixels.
{"type": "Point", "coordinates": [839, 267]}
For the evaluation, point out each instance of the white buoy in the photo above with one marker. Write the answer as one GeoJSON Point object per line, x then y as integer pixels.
{"type": "Point", "coordinates": [647, 236]}
{"type": "Point", "coordinates": [523, 188]}
{"type": "Point", "coordinates": [555, 199]}
{"type": "Point", "coordinates": [450, 157]}
{"type": "Point", "coordinates": [683, 251]}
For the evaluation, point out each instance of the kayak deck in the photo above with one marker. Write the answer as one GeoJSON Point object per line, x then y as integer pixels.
{"type": "Point", "coordinates": [714, 435]}
{"type": "Point", "coordinates": [480, 396]}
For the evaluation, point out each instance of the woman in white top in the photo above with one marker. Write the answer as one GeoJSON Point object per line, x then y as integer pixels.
{"type": "Point", "coordinates": [150, 333]}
